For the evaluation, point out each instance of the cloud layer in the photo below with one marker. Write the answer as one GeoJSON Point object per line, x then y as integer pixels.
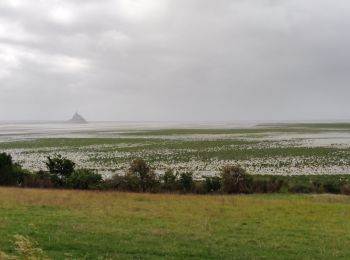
{"type": "Point", "coordinates": [175, 59]}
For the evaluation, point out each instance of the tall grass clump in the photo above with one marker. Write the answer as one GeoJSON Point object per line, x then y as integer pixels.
{"type": "Point", "coordinates": [25, 250]}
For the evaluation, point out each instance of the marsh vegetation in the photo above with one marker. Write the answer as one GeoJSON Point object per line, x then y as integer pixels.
{"type": "Point", "coordinates": [274, 150]}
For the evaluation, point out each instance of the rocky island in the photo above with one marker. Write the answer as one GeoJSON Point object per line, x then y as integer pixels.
{"type": "Point", "coordinates": [77, 119]}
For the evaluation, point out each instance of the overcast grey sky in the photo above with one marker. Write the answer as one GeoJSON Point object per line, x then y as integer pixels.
{"type": "Point", "coordinates": [175, 59]}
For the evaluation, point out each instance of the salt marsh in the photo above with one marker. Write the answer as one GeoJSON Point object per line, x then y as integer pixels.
{"type": "Point", "coordinates": [201, 148]}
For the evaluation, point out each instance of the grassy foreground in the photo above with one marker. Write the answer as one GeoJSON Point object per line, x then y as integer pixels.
{"type": "Point", "coordinates": [111, 225]}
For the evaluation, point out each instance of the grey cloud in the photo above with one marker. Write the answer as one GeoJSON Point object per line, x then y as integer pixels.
{"type": "Point", "coordinates": [174, 59]}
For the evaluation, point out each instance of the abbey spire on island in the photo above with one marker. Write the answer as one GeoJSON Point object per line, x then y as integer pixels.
{"type": "Point", "coordinates": [77, 119]}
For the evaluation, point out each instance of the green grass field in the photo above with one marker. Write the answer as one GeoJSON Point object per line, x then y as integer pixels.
{"type": "Point", "coordinates": [110, 225]}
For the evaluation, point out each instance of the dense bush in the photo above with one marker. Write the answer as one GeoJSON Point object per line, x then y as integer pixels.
{"type": "Point", "coordinates": [140, 177]}
{"type": "Point", "coordinates": [169, 181]}
{"type": "Point", "coordinates": [62, 173]}
{"type": "Point", "coordinates": [267, 184]}
{"type": "Point", "coordinates": [332, 187]}
{"type": "Point", "coordinates": [212, 184]}
{"type": "Point", "coordinates": [199, 187]}
{"type": "Point", "coordinates": [316, 184]}
{"type": "Point", "coordinates": [300, 188]}
{"type": "Point", "coordinates": [115, 182]}
{"type": "Point", "coordinates": [84, 179]}
{"type": "Point", "coordinates": [132, 182]}
{"type": "Point", "coordinates": [127, 182]}
{"type": "Point", "coordinates": [345, 189]}
{"type": "Point", "coordinates": [40, 179]}
{"type": "Point", "coordinates": [235, 179]}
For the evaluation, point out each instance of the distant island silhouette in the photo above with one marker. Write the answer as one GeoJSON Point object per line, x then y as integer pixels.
{"type": "Point", "coordinates": [77, 119]}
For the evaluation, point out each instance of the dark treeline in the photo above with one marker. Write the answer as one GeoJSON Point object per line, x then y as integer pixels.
{"type": "Point", "coordinates": [141, 177]}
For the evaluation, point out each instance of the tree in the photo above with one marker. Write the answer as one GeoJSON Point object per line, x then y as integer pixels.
{"type": "Point", "coordinates": [6, 168]}
{"type": "Point", "coordinates": [60, 168]}
{"type": "Point", "coordinates": [235, 179]}
{"type": "Point", "coordinates": [169, 180]}
{"type": "Point", "coordinates": [186, 181]}
{"type": "Point", "coordinates": [141, 173]}
{"type": "Point", "coordinates": [10, 173]}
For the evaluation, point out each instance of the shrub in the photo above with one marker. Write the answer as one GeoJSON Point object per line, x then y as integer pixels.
{"type": "Point", "coordinates": [212, 184]}
{"type": "Point", "coordinates": [300, 188]}
{"type": "Point", "coordinates": [317, 186]}
{"type": "Point", "coordinates": [84, 179]}
{"type": "Point", "coordinates": [345, 189]}
{"type": "Point", "coordinates": [131, 182]}
{"type": "Point", "coordinates": [267, 185]}
{"type": "Point", "coordinates": [141, 177]}
{"type": "Point", "coordinates": [259, 186]}
{"type": "Point", "coordinates": [199, 187]}
{"type": "Point", "coordinates": [60, 169]}
{"type": "Point", "coordinates": [40, 179]}
{"type": "Point", "coordinates": [332, 187]}
{"type": "Point", "coordinates": [186, 181]}
{"type": "Point", "coordinates": [305, 184]}
{"type": "Point", "coordinates": [235, 179]}
{"type": "Point", "coordinates": [115, 182]}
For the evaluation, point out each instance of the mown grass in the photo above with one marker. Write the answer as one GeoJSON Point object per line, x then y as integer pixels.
{"type": "Point", "coordinates": [88, 225]}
